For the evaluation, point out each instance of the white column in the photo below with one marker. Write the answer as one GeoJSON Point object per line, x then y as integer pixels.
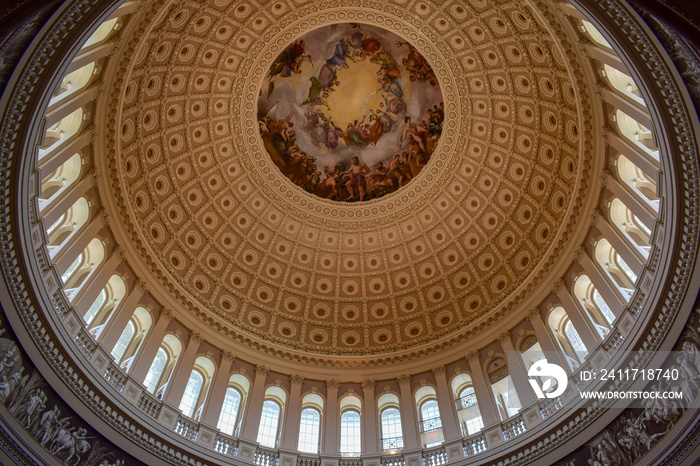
{"type": "Point", "coordinates": [143, 360]}
{"type": "Point", "coordinates": [641, 159]}
{"type": "Point", "coordinates": [96, 283]}
{"type": "Point", "coordinates": [516, 369]}
{"type": "Point", "coordinates": [610, 293]}
{"type": "Point", "coordinates": [212, 410]}
{"type": "Point", "coordinates": [255, 405]}
{"type": "Point", "coordinates": [549, 347]}
{"type": "Point", "coordinates": [65, 107]}
{"type": "Point", "coordinates": [409, 419]}
{"type": "Point", "coordinates": [290, 432]}
{"type": "Point", "coordinates": [181, 373]}
{"type": "Point", "coordinates": [583, 326]}
{"type": "Point", "coordinates": [448, 416]}
{"type": "Point", "coordinates": [52, 212]}
{"type": "Point", "coordinates": [483, 392]}
{"type": "Point", "coordinates": [72, 249]}
{"type": "Point", "coordinates": [330, 424]}
{"type": "Point", "coordinates": [633, 201]}
{"type": "Point", "coordinates": [58, 157]}
{"type": "Point", "coordinates": [370, 435]}
{"type": "Point", "coordinates": [629, 252]}
{"type": "Point", "coordinates": [120, 316]}
{"type": "Point", "coordinates": [633, 109]}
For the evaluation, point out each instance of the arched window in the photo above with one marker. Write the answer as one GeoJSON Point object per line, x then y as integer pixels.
{"type": "Point", "coordinates": [96, 306]}
{"type": "Point", "coordinates": [310, 423]}
{"type": "Point", "coordinates": [73, 82]}
{"type": "Point", "coordinates": [158, 375]}
{"type": "Point", "coordinates": [123, 342]}
{"type": "Point", "coordinates": [238, 387]}
{"type": "Point", "coordinates": [635, 132]}
{"type": "Point", "coordinates": [350, 433]}
{"type": "Point", "coordinates": [623, 83]}
{"type": "Point", "coordinates": [132, 337]}
{"type": "Point", "coordinates": [192, 391]}
{"type": "Point", "coordinates": [574, 338]}
{"type": "Point", "coordinates": [616, 268]}
{"type": "Point", "coordinates": [156, 370]}
{"type": "Point", "coordinates": [81, 268]}
{"type": "Point", "coordinates": [429, 422]}
{"type": "Point", "coordinates": [229, 411]}
{"type": "Point", "coordinates": [597, 310]}
{"type": "Point", "coordinates": [57, 182]}
{"type": "Point", "coordinates": [60, 132]}
{"type": "Point", "coordinates": [309, 430]}
{"type": "Point", "coordinates": [638, 181]}
{"type": "Point", "coordinates": [503, 389]}
{"type": "Point", "coordinates": [268, 432]}
{"type": "Point", "coordinates": [269, 422]}
{"type": "Point", "coordinates": [101, 33]}
{"type": "Point", "coordinates": [594, 34]}
{"type": "Point", "coordinates": [467, 404]}
{"type": "Point", "coordinates": [566, 335]}
{"type": "Point", "coordinates": [102, 308]}
{"type": "Point", "coordinates": [67, 226]}
{"type": "Point", "coordinates": [630, 226]}
{"type": "Point", "coordinates": [392, 435]}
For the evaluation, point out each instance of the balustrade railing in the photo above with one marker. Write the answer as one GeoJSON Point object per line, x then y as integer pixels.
{"type": "Point", "coordinates": [115, 376]}
{"type": "Point", "coordinates": [397, 460]}
{"type": "Point", "coordinates": [613, 342]}
{"type": "Point", "coordinates": [226, 445]}
{"type": "Point", "coordinates": [85, 343]}
{"type": "Point", "coordinates": [308, 461]}
{"type": "Point", "coordinates": [474, 444]}
{"type": "Point", "coordinates": [435, 457]}
{"type": "Point", "coordinates": [265, 457]}
{"type": "Point", "coordinates": [149, 404]}
{"type": "Point", "coordinates": [513, 427]}
{"type": "Point", "coordinates": [187, 428]}
{"type": "Point", "coordinates": [351, 461]}
{"type": "Point", "coordinates": [549, 406]}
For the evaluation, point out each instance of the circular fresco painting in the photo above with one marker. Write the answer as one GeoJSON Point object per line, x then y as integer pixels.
{"type": "Point", "coordinates": [350, 112]}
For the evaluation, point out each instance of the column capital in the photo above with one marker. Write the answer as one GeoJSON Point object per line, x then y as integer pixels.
{"type": "Point", "coordinates": [119, 251]}
{"type": "Point", "coordinates": [557, 285]}
{"type": "Point", "coordinates": [368, 384]}
{"type": "Point", "coordinates": [503, 337]}
{"type": "Point", "coordinates": [533, 313]}
{"type": "Point", "coordinates": [332, 384]}
{"type": "Point", "coordinates": [402, 379]}
{"type": "Point", "coordinates": [580, 252]}
{"type": "Point", "coordinates": [141, 285]}
{"type": "Point", "coordinates": [166, 314]}
{"type": "Point", "coordinates": [296, 379]}
{"type": "Point", "coordinates": [472, 355]}
{"type": "Point", "coordinates": [228, 355]}
{"type": "Point", "coordinates": [440, 370]}
{"type": "Point", "coordinates": [196, 336]}
{"type": "Point", "coordinates": [261, 370]}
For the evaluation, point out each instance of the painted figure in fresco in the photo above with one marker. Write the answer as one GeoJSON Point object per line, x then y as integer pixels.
{"type": "Point", "coordinates": [288, 63]}
{"type": "Point", "coordinates": [356, 177]}
{"type": "Point", "coordinates": [327, 187]}
{"type": "Point", "coordinates": [417, 66]}
{"type": "Point", "coordinates": [380, 180]}
{"type": "Point", "coordinates": [4, 389]}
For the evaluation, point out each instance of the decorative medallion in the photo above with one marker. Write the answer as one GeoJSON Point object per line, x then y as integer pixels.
{"type": "Point", "coordinates": [350, 112]}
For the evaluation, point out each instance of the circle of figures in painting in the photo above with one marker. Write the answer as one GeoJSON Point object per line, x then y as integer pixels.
{"type": "Point", "coordinates": [350, 112]}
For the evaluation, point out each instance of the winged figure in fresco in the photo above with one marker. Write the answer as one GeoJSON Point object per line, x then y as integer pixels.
{"type": "Point", "coordinates": [288, 62]}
